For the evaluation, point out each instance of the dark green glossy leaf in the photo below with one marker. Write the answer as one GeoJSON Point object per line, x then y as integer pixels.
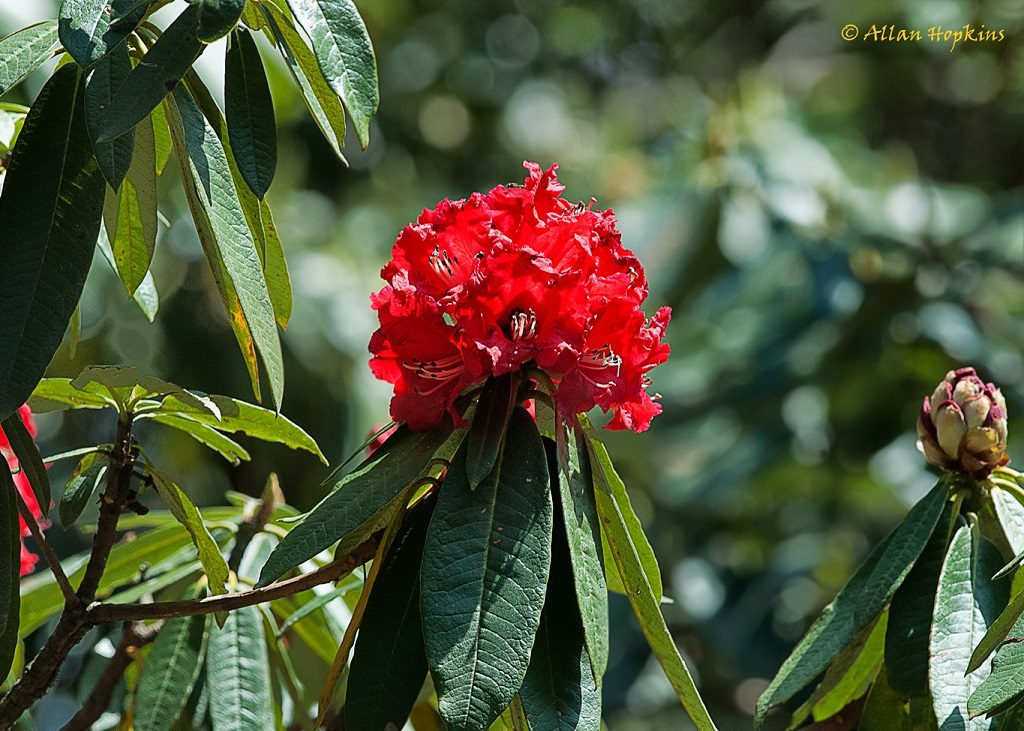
{"type": "Point", "coordinates": [859, 602]}
{"type": "Point", "coordinates": [10, 567]}
{"type": "Point", "coordinates": [82, 485]}
{"type": "Point", "coordinates": [487, 432]}
{"type": "Point", "coordinates": [249, 111]}
{"type": "Point", "coordinates": [484, 574]}
{"type": "Point", "coordinates": [31, 463]}
{"type": "Point", "coordinates": [1004, 686]}
{"type": "Point", "coordinates": [361, 503]}
{"type": "Point", "coordinates": [635, 578]}
{"type": "Point", "coordinates": [170, 673]}
{"type": "Point", "coordinates": [345, 54]}
{"type": "Point", "coordinates": [154, 77]}
{"type": "Point", "coordinates": [50, 215]}
{"type": "Point", "coordinates": [227, 241]}
{"type": "Point", "coordinates": [24, 51]}
{"type": "Point", "coordinates": [910, 615]}
{"type": "Point", "coordinates": [583, 531]}
{"type": "Point", "coordinates": [388, 664]}
{"type": "Point", "coordinates": [323, 104]}
{"type": "Point", "coordinates": [218, 17]}
{"type": "Point", "coordinates": [559, 692]}
{"type": "Point", "coordinates": [966, 602]}
{"type": "Point", "coordinates": [238, 674]}
{"type": "Point", "coordinates": [104, 80]}
{"type": "Point", "coordinates": [90, 29]}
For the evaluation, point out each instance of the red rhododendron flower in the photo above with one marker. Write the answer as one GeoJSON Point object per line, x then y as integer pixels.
{"type": "Point", "coordinates": [28, 559]}
{"type": "Point", "coordinates": [517, 276]}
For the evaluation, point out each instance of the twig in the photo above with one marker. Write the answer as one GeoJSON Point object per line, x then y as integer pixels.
{"type": "Point", "coordinates": [51, 558]}
{"type": "Point", "coordinates": [99, 613]}
{"type": "Point", "coordinates": [135, 635]}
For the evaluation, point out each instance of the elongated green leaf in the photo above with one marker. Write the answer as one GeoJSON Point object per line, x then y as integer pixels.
{"type": "Point", "coordinates": [275, 269]}
{"type": "Point", "coordinates": [157, 73]}
{"type": "Point", "coordinates": [1004, 686]}
{"type": "Point", "coordinates": [57, 394]}
{"type": "Point", "coordinates": [388, 664]}
{"type": "Point", "coordinates": [83, 483]}
{"type": "Point", "coordinates": [645, 603]}
{"type": "Point", "coordinates": [49, 214]}
{"type": "Point", "coordinates": [161, 137]}
{"type": "Point", "coordinates": [321, 101]}
{"type": "Point", "coordinates": [857, 603]}
{"type": "Point", "coordinates": [487, 432]}
{"type": "Point", "coordinates": [90, 29]}
{"type": "Point", "coordinates": [29, 460]}
{"type": "Point", "coordinates": [583, 531]}
{"type": "Point", "coordinates": [24, 51]}
{"type": "Point", "coordinates": [559, 692]}
{"type": "Point", "coordinates": [146, 296]}
{"type": "Point", "coordinates": [170, 673]}
{"type": "Point", "coordinates": [227, 241]}
{"type": "Point", "coordinates": [308, 608]}
{"type": "Point", "coordinates": [234, 416]}
{"type": "Point", "coordinates": [910, 615]}
{"type": "Point", "coordinates": [134, 240]}
{"type": "Point", "coordinates": [345, 54]}
{"type": "Point", "coordinates": [604, 470]}
{"type": "Point", "coordinates": [104, 80]}
{"type": "Point", "coordinates": [218, 17]}
{"type": "Point", "coordinates": [884, 709]}
{"type": "Point", "coordinates": [997, 631]}
{"type": "Point", "coordinates": [1010, 512]}
{"type": "Point", "coordinates": [10, 567]}
{"type": "Point", "coordinates": [181, 505]}
{"type": "Point", "coordinates": [238, 674]}
{"type": "Point", "coordinates": [484, 575]}
{"type": "Point", "coordinates": [966, 603]}
{"type": "Point", "coordinates": [249, 110]}
{"type": "Point", "coordinates": [361, 503]}
{"type": "Point", "coordinates": [223, 445]}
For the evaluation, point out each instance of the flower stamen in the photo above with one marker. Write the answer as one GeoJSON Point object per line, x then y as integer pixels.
{"type": "Point", "coordinates": [444, 265]}
{"type": "Point", "coordinates": [523, 325]}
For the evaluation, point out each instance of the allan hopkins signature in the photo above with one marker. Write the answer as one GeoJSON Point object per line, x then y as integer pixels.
{"type": "Point", "coordinates": [890, 33]}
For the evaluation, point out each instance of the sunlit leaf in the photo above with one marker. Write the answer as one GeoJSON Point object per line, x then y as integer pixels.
{"type": "Point", "coordinates": [90, 29]}
{"type": "Point", "coordinates": [24, 51]}
{"type": "Point", "coordinates": [238, 673]}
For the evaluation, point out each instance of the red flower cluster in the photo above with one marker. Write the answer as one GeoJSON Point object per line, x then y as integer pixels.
{"type": "Point", "coordinates": [518, 275]}
{"type": "Point", "coordinates": [28, 559]}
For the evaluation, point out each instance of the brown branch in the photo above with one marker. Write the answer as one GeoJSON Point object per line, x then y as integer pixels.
{"type": "Point", "coordinates": [47, 550]}
{"type": "Point", "coordinates": [135, 635]}
{"type": "Point", "coordinates": [99, 613]}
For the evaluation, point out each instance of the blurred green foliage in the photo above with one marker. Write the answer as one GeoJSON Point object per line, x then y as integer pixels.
{"type": "Point", "coordinates": [835, 224]}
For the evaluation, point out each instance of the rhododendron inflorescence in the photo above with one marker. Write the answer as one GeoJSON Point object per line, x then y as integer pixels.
{"type": "Point", "coordinates": [515, 277]}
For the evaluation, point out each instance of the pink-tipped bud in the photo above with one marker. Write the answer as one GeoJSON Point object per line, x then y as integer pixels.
{"type": "Point", "coordinates": [962, 427]}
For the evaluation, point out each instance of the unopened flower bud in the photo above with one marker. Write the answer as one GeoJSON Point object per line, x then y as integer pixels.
{"type": "Point", "coordinates": [962, 427]}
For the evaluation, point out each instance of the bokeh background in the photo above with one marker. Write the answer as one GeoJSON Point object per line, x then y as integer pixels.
{"type": "Point", "coordinates": [835, 225]}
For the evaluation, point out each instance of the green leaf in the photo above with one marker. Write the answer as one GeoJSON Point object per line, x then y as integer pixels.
{"type": "Point", "coordinates": [218, 17]}
{"type": "Point", "coordinates": [1010, 513]}
{"type": "Point", "coordinates": [161, 137]}
{"type": "Point", "coordinates": [583, 531]}
{"type": "Point", "coordinates": [850, 675]}
{"type": "Point", "coordinates": [10, 550]}
{"type": "Point", "coordinates": [275, 269]}
{"type": "Point", "coordinates": [308, 608]}
{"type": "Point", "coordinates": [24, 51]}
{"type": "Point", "coordinates": [83, 483]}
{"type": "Point", "coordinates": [156, 74]}
{"type": "Point", "coordinates": [238, 674]}
{"type": "Point", "coordinates": [49, 214]}
{"type": "Point", "coordinates": [321, 101]}
{"type": "Point", "coordinates": [487, 432]}
{"type": "Point", "coordinates": [966, 603]}
{"type": "Point", "coordinates": [227, 240]}
{"type": "Point", "coordinates": [361, 503]}
{"type": "Point", "coordinates": [134, 238]}
{"type": "Point", "coordinates": [24, 448]}
{"type": "Point", "coordinates": [103, 82]}
{"type": "Point", "coordinates": [146, 296]}
{"type": "Point", "coordinates": [343, 49]}
{"type": "Point", "coordinates": [484, 574]}
{"type": "Point", "coordinates": [249, 111]}
{"type": "Point", "coordinates": [910, 615]}
{"type": "Point", "coordinates": [604, 471]}
{"type": "Point", "coordinates": [884, 709]}
{"type": "Point", "coordinates": [182, 507]}
{"type": "Point", "coordinates": [859, 602]}
{"type": "Point", "coordinates": [236, 416]}
{"type": "Point", "coordinates": [615, 523]}
{"type": "Point", "coordinates": [997, 631]}
{"type": "Point", "coordinates": [1003, 686]}
{"type": "Point", "coordinates": [389, 665]}
{"type": "Point", "coordinates": [57, 394]}
{"type": "Point", "coordinates": [90, 29]}
{"type": "Point", "coordinates": [559, 691]}
{"type": "Point", "coordinates": [223, 445]}
{"type": "Point", "coordinates": [170, 673]}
